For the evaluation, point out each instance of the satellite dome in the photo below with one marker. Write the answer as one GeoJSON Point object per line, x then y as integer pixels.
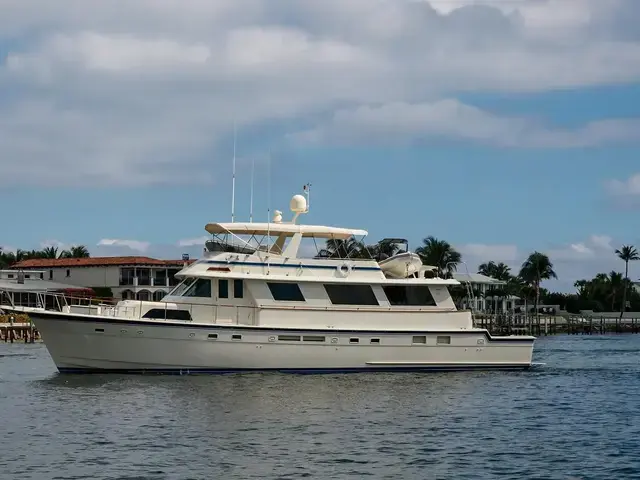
{"type": "Point", "coordinates": [298, 204]}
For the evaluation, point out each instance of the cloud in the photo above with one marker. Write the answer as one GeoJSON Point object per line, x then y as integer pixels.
{"type": "Point", "coordinates": [625, 188]}
{"type": "Point", "coordinates": [450, 119]}
{"type": "Point", "coordinates": [145, 92]}
{"type": "Point", "coordinates": [107, 53]}
{"type": "Point", "coordinates": [191, 242]}
{"type": "Point", "coordinates": [130, 244]}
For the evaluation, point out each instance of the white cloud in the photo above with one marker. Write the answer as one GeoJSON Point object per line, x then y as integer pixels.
{"type": "Point", "coordinates": [625, 188]}
{"type": "Point", "coordinates": [192, 242]}
{"type": "Point", "coordinates": [110, 53]}
{"type": "Point", "coordinates": [131, 244]}
{"type": "Point", "coordinates": [448, 118]}
{"type": "Point", "coordinates": [131, 93]}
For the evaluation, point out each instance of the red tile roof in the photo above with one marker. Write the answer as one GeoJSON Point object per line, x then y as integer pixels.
{"type": "Point", "coordinates": [96, 262]}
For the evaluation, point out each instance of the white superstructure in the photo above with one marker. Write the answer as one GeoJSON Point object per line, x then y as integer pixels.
{"type": "Point", "coordinates": [252, 303]}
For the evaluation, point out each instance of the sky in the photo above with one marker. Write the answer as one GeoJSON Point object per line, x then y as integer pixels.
{"type": "Point", "coordinates": [501, 126]}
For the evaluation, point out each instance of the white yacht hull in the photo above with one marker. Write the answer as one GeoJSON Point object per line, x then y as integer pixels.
{"type": "Point", "coordinates": [83, 344]}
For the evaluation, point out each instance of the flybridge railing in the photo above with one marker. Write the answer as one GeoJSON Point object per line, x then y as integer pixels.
{"type": "Point", "coordinates": [131, 310]}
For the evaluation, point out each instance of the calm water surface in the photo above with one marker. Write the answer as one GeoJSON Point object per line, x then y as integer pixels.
{"type": "Point", "coordinates": [577, 417]}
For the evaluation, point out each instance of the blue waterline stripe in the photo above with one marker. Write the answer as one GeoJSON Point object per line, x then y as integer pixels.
{"type": "Point", "coordinates": [216, 328]}
{"type": "Point", "coordinates": [300, 371]}
{"type": "Point", "coordinates": [280, 265]}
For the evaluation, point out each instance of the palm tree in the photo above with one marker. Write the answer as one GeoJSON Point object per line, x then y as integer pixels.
{"type": "Point", "coordinates": [50, 252]}
{"type": "Point", "coordinates": [76, 251]}
{"type": "Point", "coordinates": [537, 267]}
{"type": "Point", "coordinates": [439, 254]}
{"type": "Point", "coordinates": [627, 253]}
{"type": "Point", "coordinates": [614, 284]}
{"type": "Point", "coordinates": [499, 271]}
{"type": "Point", "coordinates": [337, 248]}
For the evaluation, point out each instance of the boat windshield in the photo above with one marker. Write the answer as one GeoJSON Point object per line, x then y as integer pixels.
{"type": "Point", "coordinates": [182, 287]}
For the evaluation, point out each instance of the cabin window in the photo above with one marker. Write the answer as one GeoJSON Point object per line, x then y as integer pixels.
{"type": "Point", "coordinates": [236, 337]}
{"type": "Point", "coordinates": [223, 288]}
{"type": "Point", "coordinates": [443, 340]}
{"type": "Point", "coordinates": [50, 274]}
{"type": "Point", "coordinates": [201, 288]}
{"type": "Point", "coordinates": [375, 340]}
{"type": "Point", "coordinates": [68, 273]}
{"type": "Point", "coordinates": [421, 339]}
{"type": "Point", "coordinates": [289, 338]}
{"type": "Point", "coordinates": [350, 294]}
{"type": "Point", "coordinates": [286, 292]}
{"type": "Point", "coordinates": [354, 340]}
{"type": "Point", "coordinates": [212, 336]}
{"type": "Point", "coordinates": [161, 313]}
{"type": "Point", "coordinates": [238, 288]}
{"type": "Point", "coordinates": [182, 287]}
{"type": "Point", "coordinates": [412, 295]}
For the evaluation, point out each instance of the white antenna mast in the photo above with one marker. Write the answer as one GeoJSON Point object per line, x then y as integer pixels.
{"type": "Point", "coordinates": [269, 201]}
{"type": "Point", "coordinates": [307, 191]}
{"type": "Point", "coordinates": [253, 164]}
{"type": "Point", "coordinates": [233, 178]}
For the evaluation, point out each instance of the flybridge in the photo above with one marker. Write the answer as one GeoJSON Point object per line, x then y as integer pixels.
{"type": "Point", "coordinates": [227, 236]}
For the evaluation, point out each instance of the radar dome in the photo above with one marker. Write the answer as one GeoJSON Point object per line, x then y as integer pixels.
{"type": "Point", "coordinates": [298, 204]}
{"type": "Point", "coordinates": [277, 216]}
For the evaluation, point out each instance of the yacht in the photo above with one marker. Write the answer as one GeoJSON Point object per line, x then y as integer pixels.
{"type": "Point", "coordinates": [253, 302]}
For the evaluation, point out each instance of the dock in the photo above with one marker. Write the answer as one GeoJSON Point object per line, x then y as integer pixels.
{"type": "Point", "coordinates": [542, 325]}
{"type": "Point", "coordinates": [18, 328]}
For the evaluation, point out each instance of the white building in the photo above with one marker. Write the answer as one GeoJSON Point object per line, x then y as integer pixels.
{"type": "Point", "coordinates": [141, 278]}
{"type": "Point", "coordinates": [483, 302]}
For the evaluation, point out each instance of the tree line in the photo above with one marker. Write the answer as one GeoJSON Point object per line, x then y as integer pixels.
{"type": "Point", "coordinates": [611, 291]}
{"type": "Point", "coordinates": [7, 259]}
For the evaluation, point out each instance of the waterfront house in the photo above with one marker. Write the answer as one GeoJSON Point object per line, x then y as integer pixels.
{"type": "Point", "coordinates": [482, 301]}
{"type": "Point", "coordinates": [132, 277]}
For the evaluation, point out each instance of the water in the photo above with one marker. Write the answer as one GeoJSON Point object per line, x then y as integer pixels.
{"type": "Point", "coordinates": [577, 417]}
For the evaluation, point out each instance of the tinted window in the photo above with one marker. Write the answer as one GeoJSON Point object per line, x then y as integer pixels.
{"type": "Point", "coordinates": [202, 288]}
{"type": "Point", "coordinates": [415, 295]}
{"type": "Point", "coordinates": [223, 289]}
{"type": "Point", "coordinates": [286, 292]}
{"type": "Point", "coordinates": [238, 288]}
{"type": "Point", "coordinates": [351, 294]}
{"type": "Point", "coordinates": [168, 314]}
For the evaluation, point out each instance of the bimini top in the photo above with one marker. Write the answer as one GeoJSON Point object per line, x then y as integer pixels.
{"type": "Point", "coordinates": [286, 229]}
